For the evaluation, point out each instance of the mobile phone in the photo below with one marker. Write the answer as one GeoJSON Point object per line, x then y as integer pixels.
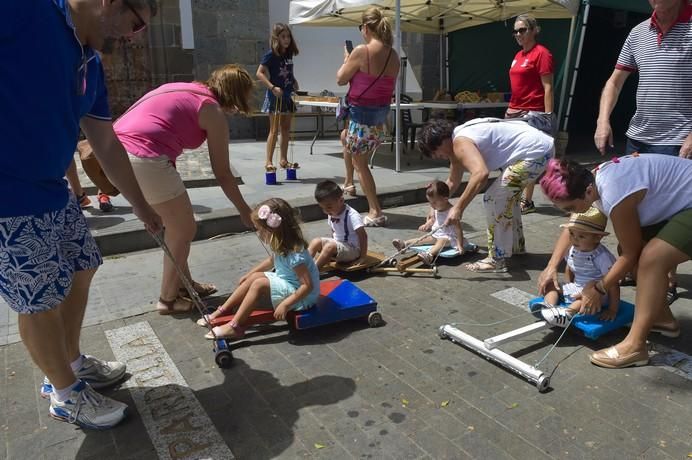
{"type": "Point", "coordinates": [349, 46]}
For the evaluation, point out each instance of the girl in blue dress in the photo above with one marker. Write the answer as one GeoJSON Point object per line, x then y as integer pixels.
{"type": "Point", "coordinates": [293, 285]}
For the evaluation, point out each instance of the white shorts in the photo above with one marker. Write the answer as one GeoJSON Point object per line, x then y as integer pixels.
{"type": "Point", "coordinates": [158, 178]}
{"type": "Point", "coordinates": [345, 252]}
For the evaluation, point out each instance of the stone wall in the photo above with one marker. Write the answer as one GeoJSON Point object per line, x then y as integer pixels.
{"type": "Point", "coordinates": [225, 31]}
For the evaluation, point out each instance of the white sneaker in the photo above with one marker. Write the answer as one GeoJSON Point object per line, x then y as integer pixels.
{"type": "Point", "coordinates": [88, 409]}
{"type": "Point", "coordinates": [557, 316]}
{"type": "Point", "coordinates": [97, 373]}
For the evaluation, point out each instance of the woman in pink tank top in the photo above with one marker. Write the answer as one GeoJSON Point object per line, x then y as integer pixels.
{"type": "Point", "coordinates": [371, 70]}
{"type": "Point", "coordinates": [155, 131]}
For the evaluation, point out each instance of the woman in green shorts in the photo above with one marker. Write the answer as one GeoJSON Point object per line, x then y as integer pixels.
{"type": "Point", "coordinates": [647, 198]}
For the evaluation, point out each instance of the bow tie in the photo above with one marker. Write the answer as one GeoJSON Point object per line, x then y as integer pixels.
{"type": "Point", "coordinates": [335, 220]}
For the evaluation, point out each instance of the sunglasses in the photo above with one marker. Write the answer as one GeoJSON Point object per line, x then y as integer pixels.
{"type": "Point", "coordinates": [360, 27]}
{"type": "Point", "coordinates": [142, 24]}
{"type": "Point", "coordinates": [520, 31]}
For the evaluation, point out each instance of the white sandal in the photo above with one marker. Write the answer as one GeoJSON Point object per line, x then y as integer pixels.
{"type": "Point", "coordinates": [491, 266]}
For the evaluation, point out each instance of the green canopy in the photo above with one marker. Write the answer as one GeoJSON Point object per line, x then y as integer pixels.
{"type": "Point", "coordinates": [639, 6]}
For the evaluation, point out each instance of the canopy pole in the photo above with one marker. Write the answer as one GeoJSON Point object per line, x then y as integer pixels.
{"type": "Point", "coordinates": [565, 77]}
{"type": "Point", "coordinates": [576, 65]}
{"type": "Point", "coordinates": [397, 96]}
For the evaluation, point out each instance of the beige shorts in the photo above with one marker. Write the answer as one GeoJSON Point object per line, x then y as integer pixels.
{"type": "Point", "coordinates": [158, 178]}
{"type": "Point", "coordinates": [345, 252]}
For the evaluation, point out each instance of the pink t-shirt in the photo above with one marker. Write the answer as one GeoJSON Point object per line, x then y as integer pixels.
{"type": "Point", "coordinates": [380, 93]}
{"type": "Point", "coordinates": [166, 122]}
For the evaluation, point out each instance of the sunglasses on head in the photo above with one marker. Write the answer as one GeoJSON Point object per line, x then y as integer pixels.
{"type": "Point", "coordinates": [520, 31]}
{"type": "Point", "coordinates": [139, 26]}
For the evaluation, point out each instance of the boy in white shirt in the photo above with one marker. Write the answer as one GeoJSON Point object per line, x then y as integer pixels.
{"type": "Point", "coordinates": [588, 261]}
{"type": "Point", "coordinates": [349, 241]}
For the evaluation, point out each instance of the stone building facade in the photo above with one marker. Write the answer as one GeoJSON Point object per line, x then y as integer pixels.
{"type": "Point", "coordinates": [225, 31]}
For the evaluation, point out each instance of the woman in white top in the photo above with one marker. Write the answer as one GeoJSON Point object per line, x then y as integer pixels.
{"type": "Point", "coordinates": [648, 200]}
{"type": "Point", "coordinates": [516, 148]}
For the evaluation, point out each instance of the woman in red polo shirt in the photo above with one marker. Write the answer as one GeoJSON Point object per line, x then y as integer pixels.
{"type": "Point", "coordinates": [531, 81]}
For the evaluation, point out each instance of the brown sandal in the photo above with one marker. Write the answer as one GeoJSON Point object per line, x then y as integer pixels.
{"type": "Point", "coordinates": [269, 167]}
{"type": "Point", "coordinates": [203, 290]}
{"type": "Point", "coordinates": [284, 164]}
{"type": "Point", "coordinates": [171, 306]}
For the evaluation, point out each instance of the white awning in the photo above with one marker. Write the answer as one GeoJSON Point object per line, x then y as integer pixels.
{"type": "Point", "coordinates": [428, 16]}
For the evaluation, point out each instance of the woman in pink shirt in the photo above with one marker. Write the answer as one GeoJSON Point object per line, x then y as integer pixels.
{"type": "Point", "coordinates": [371, 70]}
{"type": "Point", "coordinates": [155, 131]}
{"type": "Point", "coordinates": [531, 80]}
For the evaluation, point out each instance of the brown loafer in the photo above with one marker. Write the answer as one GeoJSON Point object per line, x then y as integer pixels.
{"type": "Point", "coordinates": [612, 359]}
{"type": "Point", "coordinates": [671, 330]}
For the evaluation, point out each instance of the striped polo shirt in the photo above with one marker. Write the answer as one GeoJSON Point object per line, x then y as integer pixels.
{"type": "Point", "coordinates": [664, 92]}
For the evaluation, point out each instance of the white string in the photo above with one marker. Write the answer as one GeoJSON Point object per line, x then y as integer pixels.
{"type": "Point", "coordinates": [488, 324]}
{"type": "Point", "coordinates": [404, 249]}
{"type": "Point", "coordinates": [555, 344]}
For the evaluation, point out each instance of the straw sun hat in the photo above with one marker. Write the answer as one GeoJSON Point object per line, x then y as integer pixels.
{"type": "Point", "coordinates": [591, 221]}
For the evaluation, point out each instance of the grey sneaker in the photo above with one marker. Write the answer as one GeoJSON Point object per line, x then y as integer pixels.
{"type": "Point", "coordinates": [88, 409]}
{"type": "Point", "coordinates": [97, 373]}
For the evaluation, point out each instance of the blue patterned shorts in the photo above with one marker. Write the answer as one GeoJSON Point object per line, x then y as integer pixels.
{"type": "Point", "coordinates": [40, 254]}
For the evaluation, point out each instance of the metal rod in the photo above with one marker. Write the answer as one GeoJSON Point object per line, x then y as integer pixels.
{"type": "Point", "coordinates": [528, 372]}
{"type": "Point", "coordinates": [397, 270]}
{"type": "Point", "coordinates": [399, 89]}
{"type": "Point", "coordinates": [196, 299]}
{"type": "Point", "coordinates": [494, 342]}
{"type": "Point", "coordinates": [565, 77]}
{"type": "Point", "coordinates": [576, 65]}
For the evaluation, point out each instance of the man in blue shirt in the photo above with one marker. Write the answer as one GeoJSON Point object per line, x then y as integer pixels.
{"type": "Point", "coordinates": [51, 85]}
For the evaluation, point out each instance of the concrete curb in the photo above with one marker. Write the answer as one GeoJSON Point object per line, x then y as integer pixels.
{"type": "Point", "coordinates": [189, 183]}
{"type": "Point", "coordinates": [228, 221]}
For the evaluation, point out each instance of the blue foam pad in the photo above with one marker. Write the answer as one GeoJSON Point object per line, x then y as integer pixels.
{"type": "Point", "coordinates": [447, 253]}
{"type": "Point", "coordinates": [345, 301]}
{"type": "Point", "coordinates": [591, 325]}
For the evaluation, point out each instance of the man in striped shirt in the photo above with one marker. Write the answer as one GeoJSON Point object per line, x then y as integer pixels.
{"type": "Point", "coordinates": [660, 50]}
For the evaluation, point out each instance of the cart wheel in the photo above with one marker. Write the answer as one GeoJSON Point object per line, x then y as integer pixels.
{"type": "Point", "coordinates": [543, 383]}
{"type": "Point", "coordinates": [375, 319]}
{"type": "Point", "coordinates": [224, 358]}
{"type": "Point", "coordinates": [441, 332]}
{"type": "Point", "coordinates": [435, 272]}
{"type": "Point", "coordinates": [393, 263]}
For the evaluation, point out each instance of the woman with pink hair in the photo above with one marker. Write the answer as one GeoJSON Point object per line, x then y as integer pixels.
{"type": "Point", "coordinates": [647, 199]}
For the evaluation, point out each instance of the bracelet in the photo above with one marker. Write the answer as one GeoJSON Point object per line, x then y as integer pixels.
{"type": "Point", "coordinates": [601, 290]}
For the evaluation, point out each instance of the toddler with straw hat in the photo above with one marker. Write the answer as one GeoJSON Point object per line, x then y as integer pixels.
{"type": "Point", "coordinates": [587, 262]}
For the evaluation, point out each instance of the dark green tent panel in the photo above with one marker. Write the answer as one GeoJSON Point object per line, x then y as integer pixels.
{"type": "Point", "coordinates": [479, 57]}
{"type": "Point", "coordinates": [638, 6]}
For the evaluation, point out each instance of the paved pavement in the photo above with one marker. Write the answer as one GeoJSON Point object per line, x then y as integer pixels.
{"type": "Point", "coordinates": [349, 391]}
